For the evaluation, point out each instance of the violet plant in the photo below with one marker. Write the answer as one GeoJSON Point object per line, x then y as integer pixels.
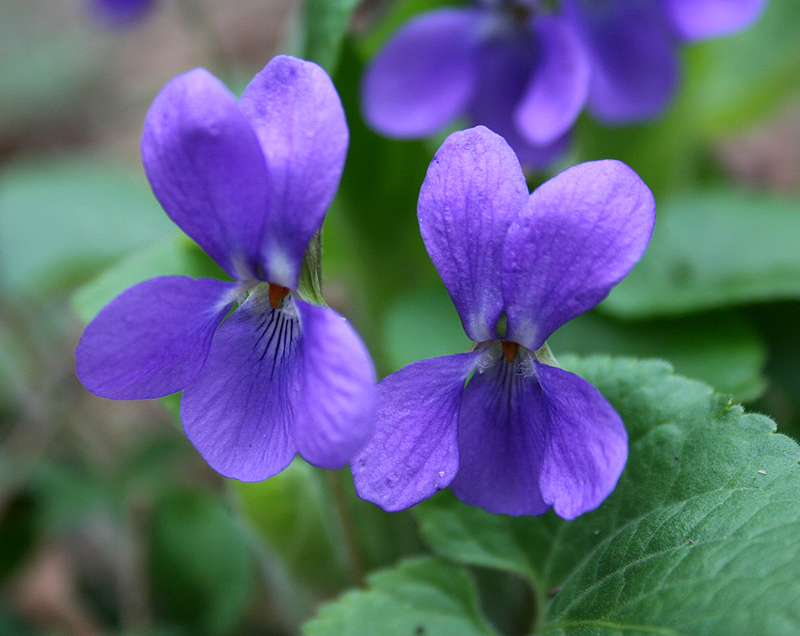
{"type": "Point", "coordinates": [523, 435]}
{"type": "Point", "coordinates": [250, 182]}
{"type": "Point", "coordinates": [526, 69]}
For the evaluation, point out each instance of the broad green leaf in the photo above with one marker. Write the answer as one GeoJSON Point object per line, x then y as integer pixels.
{"type": "Point", "coordinates": [711, 250]}
{"type": "Point", "coordinates": [176, 255]}
{"type": "Point", "coordinates": [201, 569]}
{"type": "Point", "coordinates": [61, 217]}
{"type": "Point", "coordinates": [421, 597]}
{"type": "Point", "coordinates": [701, 536]}
{"type": "Point", "coordinates": [720, 348]}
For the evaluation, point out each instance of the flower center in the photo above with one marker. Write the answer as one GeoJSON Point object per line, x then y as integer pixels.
{"type": "Point", "coordinates": [277, 294]}
{"type": "Point", "coordinates": [510, 350]}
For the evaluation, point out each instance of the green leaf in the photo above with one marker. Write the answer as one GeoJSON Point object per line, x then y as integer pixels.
{"type": "Point", "coordinates": [325, 25]}
{"type": "Point", "coordinates": [421, 597]}
{"type": "Point", "coordinates": [711, 250]}
{"type": "Point", "coordinates": [200, 565]}
{"type": "Point", "coordinates": [700, 537]}
{"type": "Point", "coordinates": [62, 217]}
{"type": "Point", "coordinates": [720, 348]}
{"type": "Point", "coordinates": [176, 255]}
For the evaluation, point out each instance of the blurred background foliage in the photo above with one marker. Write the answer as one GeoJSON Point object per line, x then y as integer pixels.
{"type": "Point", "coordinates": [109, 521]}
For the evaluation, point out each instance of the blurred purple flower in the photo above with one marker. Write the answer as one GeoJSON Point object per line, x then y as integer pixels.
{"type": "Point", "coordinates": [522, 435]}
{"type": "Point", "coordinates": [250, 182]}
{"type": "Point", "coordinates": [122, 12]}
{"type": "Point", "coordinates": [526, 72]}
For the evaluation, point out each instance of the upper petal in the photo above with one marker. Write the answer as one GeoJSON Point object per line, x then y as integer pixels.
{"type": "Point", "coordinates": [501, 440]}
{"type": "Point", "coordinates": [239, 412]}
{"type": "Point", "coordinates": [424, 76]}
{"type": "Point", "coordinates": [634, 63]}
{"type": "Point", "coordinates": [586, 444]}
{"type": "Point", "coordinates": [698, 19]}
{"type": "Point", "coordinates": [559, 85]}
{"type": "Point", "coordinates": [413, 452]}
{"type": "Point", "coordinates": [335, 396]}
{"type": "Point", "coordinates": [579, 235]}
{"type": "Point", "coordinates": [298, 117]}
{"type": "Point", "coordinates": [474, 188]}
{"type": "Point", "coordinates": [207, 170]}
{"type": "Point", "coordinates": [153, 339]}
{"type": "Point", "coordinates": [506, 68]}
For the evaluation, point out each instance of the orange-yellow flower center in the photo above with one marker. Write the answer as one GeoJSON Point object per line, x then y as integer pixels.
{"type": "Point", "coordinates": [510, 350]}
{"type": "Point", "coordinates": [277, 294]}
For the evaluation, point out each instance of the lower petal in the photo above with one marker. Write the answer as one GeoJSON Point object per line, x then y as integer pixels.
{"type": "Point", "coordinates": [635, 66]}
{"type": "Point", "coordinates": [335, 399]}
{"type": "Point", "coordinates": [699, 19]}
{"type": "Point", "coordinates": [501, 441]}
{"type": "Point", "coordinates": [240, 411]}
{"type": "Point", "coordinates": [153, 339]}
{"type": "Point", "coordinates": [586, 447]}
{"type": "Point", "coordinates": [413, 452]}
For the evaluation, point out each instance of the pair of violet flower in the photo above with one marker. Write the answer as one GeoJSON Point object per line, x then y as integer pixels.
{"type": "Point", "coordinates": [250, 182]}
{"type": "Point", "coordinates": [527, 70]}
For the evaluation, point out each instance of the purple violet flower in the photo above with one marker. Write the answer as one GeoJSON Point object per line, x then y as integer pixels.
{"type": "Point", "coordinates": [250, 182]}
{"type": "Point", "coordinates": [527, 71]}
{"type": "Point", "coordinates": [122, 12]}
{"type": "Point", "coordinates": [521, 435]}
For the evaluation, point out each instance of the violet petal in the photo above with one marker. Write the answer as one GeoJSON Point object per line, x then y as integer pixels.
{"type": "Point", "coordinates": [153, 339]}
{"type": "Point", "coordinates": [413, 452]}
{"type": "Point", "coordinates": [206, 168]}
{"type": "Point", "coordinates": [501, 441]}
{"type": "Point", "coordinates": [423, 78]}
{"type": "Point", "coordinates": [699, 19]}
{"type": "Point", "coordinates": [473, 190]}
{"type": "Point", "coordinates": [239, 412]}
{"type": "Point", "coordinates": [334, 401]}
{"type": "Point", "coordinates": [579, 235]}
{"type": "Point", "coordinates": [294, 109]}
{"type": "Point", "coordinates": [635, 66]}
{"type": "Point", "coordinates": [559, 85]}
{"type": "Point", "coordinates": [587, 444]}
{"type": "Point", "coordinates": [505, 70]}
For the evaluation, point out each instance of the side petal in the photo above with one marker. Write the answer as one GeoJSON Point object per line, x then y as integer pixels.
{"type": "Point", "coordinates": [559, 85]}
{"type": "Point", "coordinates": [298, 117]}
{"type": "Point", "coordinates": [239, 412]}
{"type": "Point", "coordinates": [153, 339]}
{"type": "Point", "coordinates": [506, 68]}
{"type": "Point", "coordinates": [413, 452]}
{"type": "Point", "coordinates": [474, 188]}
{"type": "Point", "coordinates": [587, 444]}
{"type": "Point", "coordinates": [207, 170]}
{"type": "Point", "coordinates": [635, 66]}
{"type": "Point", "coordinates": [579, 235]}
{"type": "Point", "coordinates": [501, 441]}
{"type": "Point", "coordinates": [700, 19]}
{"type": "Point", "coordinates": [335, 405]}
{"type": "Point", "coordinates": [423, 78]}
